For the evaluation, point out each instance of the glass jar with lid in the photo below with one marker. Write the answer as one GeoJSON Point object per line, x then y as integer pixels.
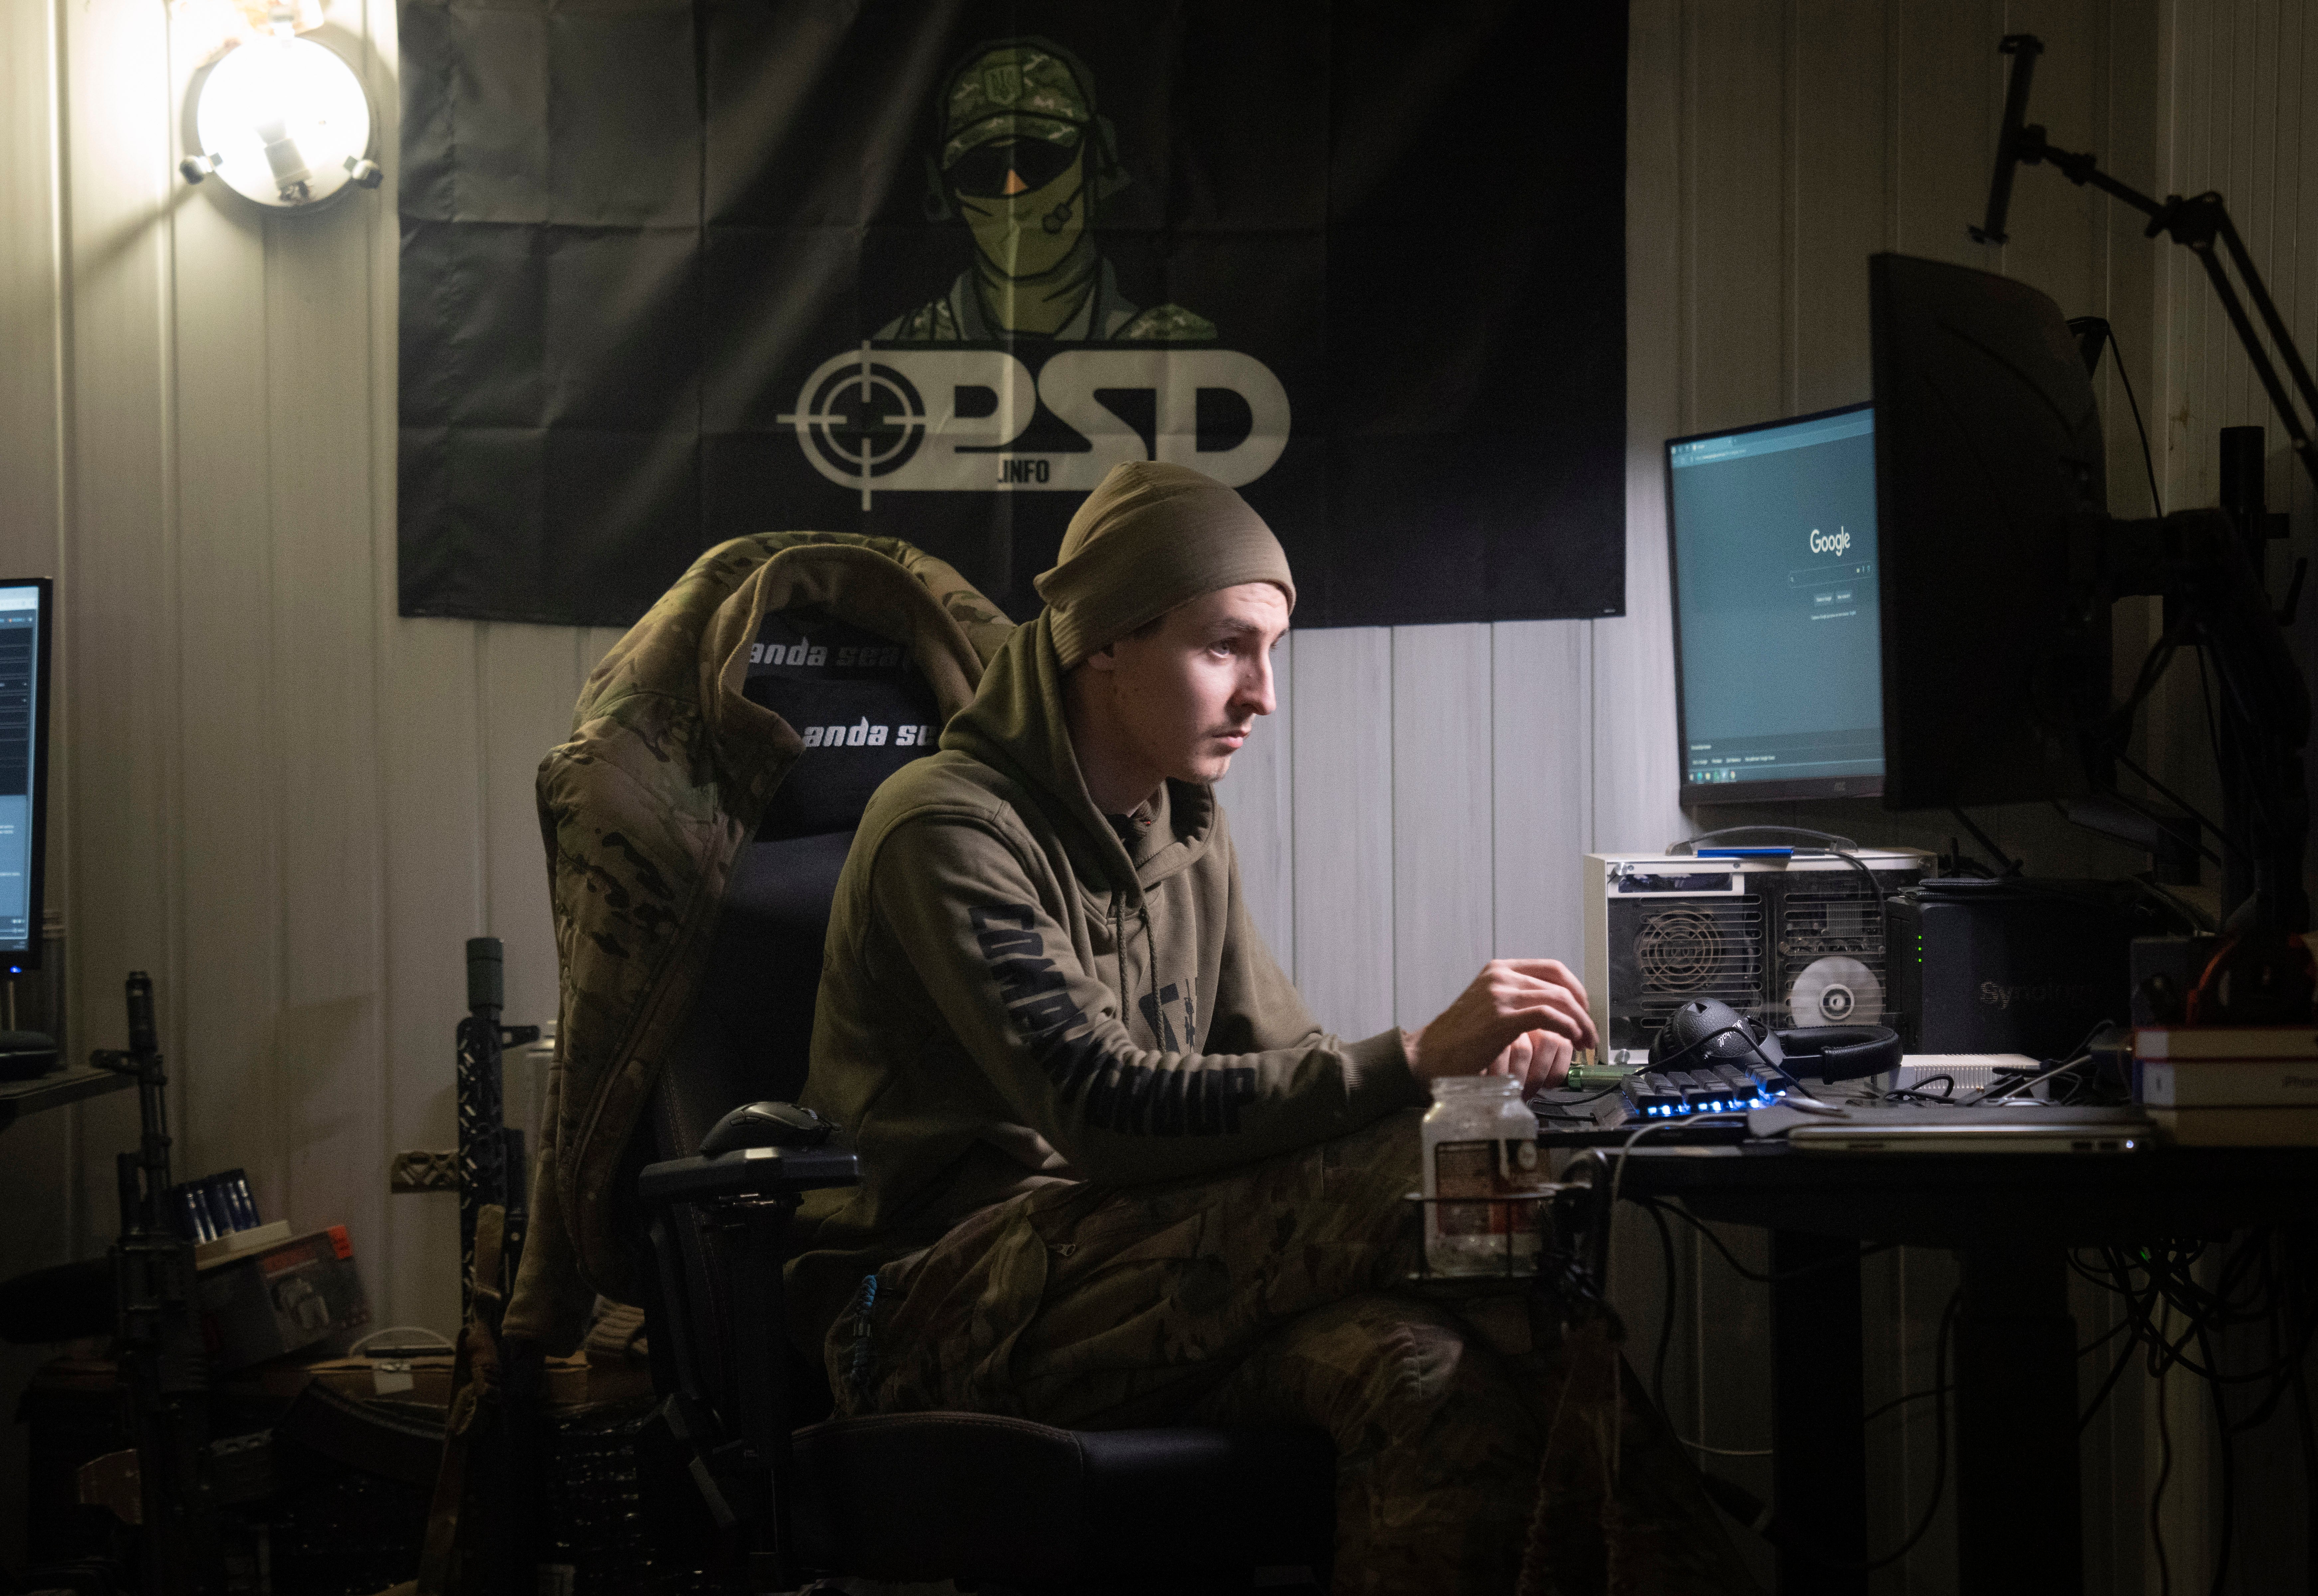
{"type": "Point", "coordinates": [1481, 1171]}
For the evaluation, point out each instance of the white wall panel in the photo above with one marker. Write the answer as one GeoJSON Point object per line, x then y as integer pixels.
{"type": "Point", "coordinates": [1840, 208]}
{"type": "Point", "coordinates": [2240, 76]}
{"type": "Point", "coordinates": [525, 676]}
{"type": "Point", "coordinates": [39, 1160]}
{"type": "Point", "coordinates": [1542, 720]}
{"type": "Point", "coordinates": [116, 654]}
{"type": "Point", "coordinates": [334, 1087]}
{"type": "Point", "coordinates": [1258, 796]}
{"type": "Point", "coordinates": [1444, 889]}
{"type": "Point", "coordinates": [430, 783]}
{"type": "Point", "coordinates": [1344, 794]}
{"type": "Point", "coordinates": [1634, 775]}
{"type": "Point", "coordinates": [229, 734]}
{"type": "Point", "coordinates": [431, 757]}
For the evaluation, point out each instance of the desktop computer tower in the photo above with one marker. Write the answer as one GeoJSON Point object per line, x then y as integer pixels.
{"type": "Point", "coordinates": [1791, 942]}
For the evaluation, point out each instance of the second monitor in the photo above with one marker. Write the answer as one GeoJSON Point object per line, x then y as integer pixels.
{"type": "Point", "coordinates": [1777, 635]}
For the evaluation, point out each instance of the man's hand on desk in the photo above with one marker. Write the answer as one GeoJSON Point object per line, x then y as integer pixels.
{"type": "Point", "coordinates": [1521, 1017]}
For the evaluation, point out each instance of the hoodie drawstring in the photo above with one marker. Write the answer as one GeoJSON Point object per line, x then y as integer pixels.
{"type": "Point", "coordinates": [1158, 1017]}
{"type": "Point", "coordinates": [1151, 1017]}
{"type": "Point", "coordinates": [1118, 944]}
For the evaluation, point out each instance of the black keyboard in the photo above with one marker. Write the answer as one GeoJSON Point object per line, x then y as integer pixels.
{"type": "Point", "coordinates": [1650, 1095]}
{"type": "Point", "coordinates": [1705, 1089]}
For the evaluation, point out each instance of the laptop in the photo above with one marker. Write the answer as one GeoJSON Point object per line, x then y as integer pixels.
{"type": "Point", "coordinates": [1989, 1127]}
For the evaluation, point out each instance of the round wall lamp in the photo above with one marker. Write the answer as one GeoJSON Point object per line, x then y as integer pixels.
{"type": "Point", "coordinates": [284, 121]}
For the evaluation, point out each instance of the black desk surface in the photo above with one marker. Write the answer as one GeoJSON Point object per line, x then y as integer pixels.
{"type": "Point", "coordinates": [1955, 1199]}
{"type": "Point", "coordinates": [56, 1089]}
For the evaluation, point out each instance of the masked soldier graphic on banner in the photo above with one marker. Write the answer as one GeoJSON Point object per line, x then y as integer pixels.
{"type": "Point", "coordinates": [1023, 159]}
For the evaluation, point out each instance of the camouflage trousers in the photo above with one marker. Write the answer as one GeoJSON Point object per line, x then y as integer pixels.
{"type": "Point", "coordinates": [1474, 1452]}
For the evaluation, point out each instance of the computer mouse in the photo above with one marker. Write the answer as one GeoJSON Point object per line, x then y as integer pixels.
{"type": "Point", "coordinates": [766, 1125]}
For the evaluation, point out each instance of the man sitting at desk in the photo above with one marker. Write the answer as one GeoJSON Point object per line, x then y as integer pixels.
{"type": "Point", "coordinates": [1116, 1172]}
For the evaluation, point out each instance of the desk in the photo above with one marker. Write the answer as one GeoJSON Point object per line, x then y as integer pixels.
{"type": "Point", "coordinates": [56, 1089]}
{"type": "Point", "coordinates": [2011, 1218]}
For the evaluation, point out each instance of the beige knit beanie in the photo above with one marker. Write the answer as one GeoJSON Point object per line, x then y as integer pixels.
{"type": "Point", "coordinates": [1150, 536]}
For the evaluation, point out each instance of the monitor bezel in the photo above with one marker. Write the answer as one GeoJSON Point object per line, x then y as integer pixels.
{"type": "Point", "coordinates": [1990, 577]}
{"type": "Point", "coordinates": [14, 961]}
{"type": "Point", "coordinates": [1700, 794]}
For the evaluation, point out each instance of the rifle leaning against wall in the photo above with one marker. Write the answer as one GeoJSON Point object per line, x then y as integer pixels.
{"type": "Point", "coordinates": [163, 1365]}
{"type": "Point", "coordinates": [483, 1516]}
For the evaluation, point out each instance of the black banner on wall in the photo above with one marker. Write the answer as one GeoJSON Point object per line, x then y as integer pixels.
{"type": "Point", "coordinates": [674, 272]}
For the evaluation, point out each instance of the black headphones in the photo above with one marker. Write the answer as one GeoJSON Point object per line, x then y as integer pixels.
{"type": "Point", "coordinates": [1707, 1032]}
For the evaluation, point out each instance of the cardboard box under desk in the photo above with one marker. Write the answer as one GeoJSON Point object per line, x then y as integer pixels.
{"type": "Point", "coordinates": [281, 1298]}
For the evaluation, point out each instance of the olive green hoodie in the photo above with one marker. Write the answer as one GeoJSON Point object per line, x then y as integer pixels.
{"type": "Point", "coordinates": [1011, 996]}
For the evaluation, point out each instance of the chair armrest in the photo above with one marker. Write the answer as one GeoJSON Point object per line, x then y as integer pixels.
{"type": "Point", "coordinates": [746, 1172]}
{"type": "Point", "coordinates": [730, 1409]}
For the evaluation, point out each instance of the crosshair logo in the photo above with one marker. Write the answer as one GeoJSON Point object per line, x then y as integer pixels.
{"type": "Point", "coordinates": [862, 416]}
{"type": "Point", "coordinates": [953, 420]}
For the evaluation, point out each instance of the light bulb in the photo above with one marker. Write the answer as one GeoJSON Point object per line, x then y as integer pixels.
{"type": "Point", "coordinates": [282, 121]}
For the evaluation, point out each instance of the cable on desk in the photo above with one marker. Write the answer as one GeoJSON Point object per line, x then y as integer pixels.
{"type": "Point", "coordinates": [2074, 1086]}
{"type": "Point", "coordinates": [1917, 1094]}
{"type": "Point", "coordinates": [2309, 1471]}
{"type": "Point", "coordinates": [1618, 1175]}
{"type": "Point", "coordinates": [2206, 700]}
{"type": "Point", "coordinates": [1666, 1319]}
{"type": "Point", "coordinates": [1874, 885]}
{"type": "Point", "coordinates": [2225, 838]}
{"type": "Point", "coordinates": [1939, 1437]}
{"type": "Point", "coordinates": [2173, 1287]}
{"type": "Point", "coordinates": [1826, 1266]}
{"type": "Point", "coordinates": [2146, 813]}
{"type": "Point", "coordinates": [2123, 1361]}
{"type": "Point", "coordinates": [2105, 1337]}
{"type": "Point", "coordinates": [1689, 845]}
{"type": "Point", "coordinates": [2154, 666]}
{"type": "Point", "coordinates": [1831, 847]}
{"type": "Point", "coordinates": [2076, 1058]}
{"type": "Point", "coordinates": [1658, 1213]}
{"type": "Point", "coordinates": [2266, 1280]}
{"type": "Point", "coordinates": [2094, 1345]}
{"type": "Point", "coordinates": [1665, 1340]}
{"type": "Point", "coordinates": [2097, 1342]}
{"type": "Point", "coordinates": [2124, 376]}
{"type": "Point", "coordinates": [1784, 1536]}
{"type": "Point", "coordinates": [1695, 1043]}
{"type": "Point", "coordinates": [1895, 1403]}
{"type": "Point", "coordinates": [2010, 865]}
{"type": "Point", "coordinates": [2229, 1468]}
{"type": "Point", "coordinates": [2156, 1494]}
{"type": "Point", "coordinates": [2195, 920]}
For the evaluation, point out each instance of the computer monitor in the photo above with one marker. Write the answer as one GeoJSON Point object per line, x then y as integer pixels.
{"type": "Point", "coordinates": [1772, 536]}
{"type": "Point", "coordinates": [26, 617]}
{"type": "Point", "coordinates": [1988, 469]}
